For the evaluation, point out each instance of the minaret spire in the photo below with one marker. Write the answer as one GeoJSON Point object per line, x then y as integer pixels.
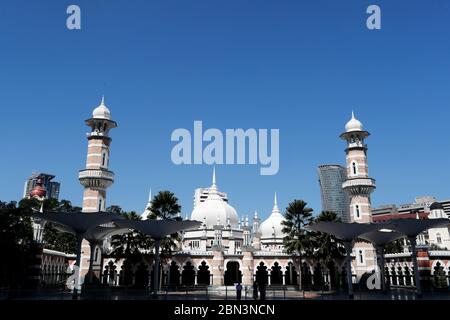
{"type": "Point", "coordinates": [214, 185]}
{"type": "Point", "coordinates": [103, 100]}
{"type": "Point", "coordinates": [353, 115]}
{"type": "Point", "coordinates": [275, 209]}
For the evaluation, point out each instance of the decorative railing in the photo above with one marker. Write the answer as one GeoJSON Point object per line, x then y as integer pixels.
{"type": "Point", "coordinates": [439, 253]}
{"type": "Point", "coordinates": [96, 173]}
{"type": "Point", "coordinates": [359, 182]}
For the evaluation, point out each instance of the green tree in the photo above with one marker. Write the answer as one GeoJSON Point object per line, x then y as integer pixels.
{"type": "Point", "coordinates": [395, 246]}
{"type": "Point", "coordinates": [298, 239]}
{"type": "Point", "coordinates": [327, 247]}
{"type": "Point", "coordinates": [131, 245]}
{"type": "Point", "coordinates": [15, 236]}
{"type": "Point", "coordinates": [53, 239]}
{"type": "Point", "coordinates": [165, 205]}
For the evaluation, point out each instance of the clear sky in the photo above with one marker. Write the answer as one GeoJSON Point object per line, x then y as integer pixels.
{"type": "Point", "coordinates": [299, 66]}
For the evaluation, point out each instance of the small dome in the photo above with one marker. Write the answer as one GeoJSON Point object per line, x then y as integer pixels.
{"type": "Point", "coordinates": [102, 111]}
{"type": "Point", "coordinates": [272, 227]}
{"type": "Point", "coordinates": [215, 210]}
{"type": "Point", "coordinates": [354, 124]}
{"type": "Point", "coordinates": [436, 206]}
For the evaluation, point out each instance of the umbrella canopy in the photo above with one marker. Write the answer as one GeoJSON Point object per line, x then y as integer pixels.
{"type": "Point", "coordinates": [158, 229]}
{"type": "Point", "coordinates": [413, 227]}
{"type": "Point", "coordinates": [78, 223]}
{"type": "Point", "coordinates": [345, 231]}
{"type": "Point", "coordinates": [380, 238]}
{"type": "Point", "coordinates": [101, 232]}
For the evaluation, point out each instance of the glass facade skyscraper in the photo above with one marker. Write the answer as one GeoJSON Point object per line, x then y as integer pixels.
{"type": "Point", "coordinates": [334, 198]}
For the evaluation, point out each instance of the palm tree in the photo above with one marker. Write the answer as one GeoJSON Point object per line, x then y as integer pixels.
{"type": "Point", "coordinates": [164, 205]}
{"type": "Point", "coordinates": [297, 240]}
{"type": "Point", "coordinates": [131, 245]}
{"type": "Point", "coordinates": [327, 247]}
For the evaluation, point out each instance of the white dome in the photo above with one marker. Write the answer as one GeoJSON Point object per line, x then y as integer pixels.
{"type": "Point", "coordinates": [215, 210]}
{"type": "Point", "coordinates": [353, 125]}
{"type": "Point", "coordinates": [102, 112]}
{"type": "Point", "coordinates": [272, 228]}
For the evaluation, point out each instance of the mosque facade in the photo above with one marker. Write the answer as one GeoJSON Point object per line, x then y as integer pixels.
{"type": "Point", "coordinates": [227, 249]}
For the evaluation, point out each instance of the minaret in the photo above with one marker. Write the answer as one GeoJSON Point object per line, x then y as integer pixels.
{"type": "Point", "coordinates": [96, 178]}
{"type": "Point", "coordinates": [256, 235]}
{"type": "Point", "coordinates": [359, 186]}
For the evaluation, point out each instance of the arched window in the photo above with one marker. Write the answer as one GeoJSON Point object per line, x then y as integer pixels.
{"type": "Point", "coordinates": [354, 168]}
{"type": "Point", "coordinates": [103, 159]}
{"type": "Point", "coordinates": [96, 254]}
{"type": "Point", "coordinates": [100, 203]}
{"type": "Point", "coordinates": [361, 257]}
{"type": "Point", "coordinates": [438, 238]}
{"type": "Point", "coordinates": [357, 211]}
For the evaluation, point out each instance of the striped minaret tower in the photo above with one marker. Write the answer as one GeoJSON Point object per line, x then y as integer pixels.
{"type": "Point", "coordinates": [96, 178]}
{"type": "Point", "coordinates": [359, 186]}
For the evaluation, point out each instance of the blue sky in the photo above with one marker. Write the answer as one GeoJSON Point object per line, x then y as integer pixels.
{"type": "Point", "coordinates": [300, 66]}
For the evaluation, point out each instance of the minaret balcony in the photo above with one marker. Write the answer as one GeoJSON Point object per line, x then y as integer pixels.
{"type": "Point", "coordinates": [96, 178]}
{"type": "Point", "coordinates": [359, 186]}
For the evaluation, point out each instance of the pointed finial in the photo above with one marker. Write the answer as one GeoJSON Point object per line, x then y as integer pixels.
{"type": "Point", "coordinates": [150, 195]}
{"type": "Point", "coordinates": [353, 115]}
{"type": "Point", "coordinates": [103, 100]}
{"type": "Point", "coordinates": [256, 214]}
{"type": "Point", "coordinates": [214, 176]}
{"type": "Point", "coordinates": [275, 209]}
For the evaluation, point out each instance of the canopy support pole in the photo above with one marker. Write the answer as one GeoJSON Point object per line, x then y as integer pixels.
{"type": "Point", "coordinates": [77, 274]}
{"type": "Point", "coordinates": [412, 240]}
{"type": "Point", "coordinates": [348, 249]}
{"type": "Point", "coordinates": [380, 252]}
{"type": "Point", "coordinates": [156, 269]}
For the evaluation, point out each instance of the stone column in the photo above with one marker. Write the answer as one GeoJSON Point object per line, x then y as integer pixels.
{"type": "Point", "coordinates": [247, 266]}
{"type": "Point", "coordinates": [217, 266]}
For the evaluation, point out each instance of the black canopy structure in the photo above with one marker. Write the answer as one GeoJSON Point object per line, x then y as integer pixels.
{"type": "Point", "coordinates": [411, 228]}
{"type": "Point", "coordinates": [83, 226]}
{"type": "Point", "coordinates": [96, 236]}
{"type": "Point", "coordinates": [158, 229]}
{"type": "Point", "coordinates": [379, 238]}
{"type": "Point", "coordinates": [346, 232]}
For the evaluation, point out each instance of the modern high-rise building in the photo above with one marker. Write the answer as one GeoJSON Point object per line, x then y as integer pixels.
{"type": "Point", "coordinates": [51, 187]}
{"type": "Point", "coordinates": [334, 198]}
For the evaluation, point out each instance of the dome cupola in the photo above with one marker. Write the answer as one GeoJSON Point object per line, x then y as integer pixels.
{"type": "Point", "coordinates": [102, 111]}
{"type": "Point", "coordinates": [215, 210]}
{"type": "Point", "coordinates": [272, 227]}
{"type": "Point", "coordinates": [353, 125]}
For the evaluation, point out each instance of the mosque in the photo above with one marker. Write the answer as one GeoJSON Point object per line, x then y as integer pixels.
{"type": "Point", "coordinates": [227, 249]}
